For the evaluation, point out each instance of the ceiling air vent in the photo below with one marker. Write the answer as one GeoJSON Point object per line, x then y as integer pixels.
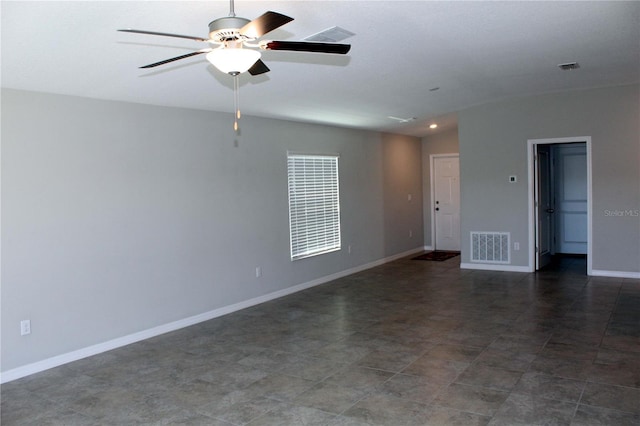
{"type": "Point", "coordinates": [402, 120]}
{"type": "Point", "coordinates": [569, 66]}
{"type": "Point", "coordinates": [330, 35]}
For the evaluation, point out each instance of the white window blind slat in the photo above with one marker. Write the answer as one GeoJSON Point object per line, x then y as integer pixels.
{"type": "Point", "coordinates": [314, 207]}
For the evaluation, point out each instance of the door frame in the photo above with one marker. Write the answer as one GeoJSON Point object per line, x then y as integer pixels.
{"type": "Point", "coordinates": [432, 158]}
{"type": "Point", "coordinates": [531, 151]}
{"type": "Point", "coordinates": [537, 198]}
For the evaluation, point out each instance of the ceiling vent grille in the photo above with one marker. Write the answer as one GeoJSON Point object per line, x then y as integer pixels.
{"type": "Point", "coordinates": [569, 66]}
{"type": "Point", "coordinates": [330, 35]}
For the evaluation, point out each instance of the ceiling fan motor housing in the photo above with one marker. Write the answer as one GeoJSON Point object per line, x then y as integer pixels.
{"type": "Point", "coordinates": [227, 28]}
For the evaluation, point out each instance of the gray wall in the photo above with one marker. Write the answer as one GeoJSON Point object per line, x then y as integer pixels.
{"type": "Point", "coordinates": [445, 142]}
{"type": "Point", "coordinates": [493, 145]}
{"type": "Point", "coordinates": [403, 191]}
{"type": "Point", "coordinates": [119, 217]}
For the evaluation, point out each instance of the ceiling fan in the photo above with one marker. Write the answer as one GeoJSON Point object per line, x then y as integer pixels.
{"type": "Point", "coordinates": [235, 45]}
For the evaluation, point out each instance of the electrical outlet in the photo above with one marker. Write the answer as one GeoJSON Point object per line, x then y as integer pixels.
{"type": "Point", "coordinates": [410, 234]}
{"type": "Point", "coordinates": [25, 327]}
{"type": "Point", "coordinates": [516, 246]}
{"type": "Point", "coordinates": [349, 249]}
{"type": "Point", "coordinates": [258, 272]}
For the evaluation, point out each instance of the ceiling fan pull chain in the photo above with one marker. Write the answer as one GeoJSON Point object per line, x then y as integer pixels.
{"type": "Point", "coordinates": [238, 97]}
{"type": "Point", "coordinates": [236, 101]}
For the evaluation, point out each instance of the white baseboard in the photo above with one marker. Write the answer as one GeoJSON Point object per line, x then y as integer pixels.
{"type": "Point", "coordinates": [494, 267]}
{"type": "Point", "coordinates": [428, 248]}
{"type": "Point", "coordinates": [509, 268]}
{"type": "Point", "coordinates": [399, 256]}
{"type": "Point", "coordinates": [615, 274]}
{"type": "Point", "coordinates": [68, 357]}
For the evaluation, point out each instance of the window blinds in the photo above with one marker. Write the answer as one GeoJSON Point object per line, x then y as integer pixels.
{"type": "Point", "coordinates": [314, 204]}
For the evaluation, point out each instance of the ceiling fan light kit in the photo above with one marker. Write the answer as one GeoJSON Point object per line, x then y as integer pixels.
{"type": "Point", "coordinates": [233, 61]}
{"type": "Point", "coordinates": [235, 41]}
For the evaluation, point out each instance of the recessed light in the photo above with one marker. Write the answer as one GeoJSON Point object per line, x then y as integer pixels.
{"type": "Point", "coordinates": [433, 126]}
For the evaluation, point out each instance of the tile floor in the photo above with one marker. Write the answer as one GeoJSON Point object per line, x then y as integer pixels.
{"type": "Point", "coordinates": [407, 343]}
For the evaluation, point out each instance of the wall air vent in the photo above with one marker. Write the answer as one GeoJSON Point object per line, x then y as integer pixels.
{"type": "Point", "coordinates": [490, 247]}
{"type": "Point", "coordinates": [569, 66]}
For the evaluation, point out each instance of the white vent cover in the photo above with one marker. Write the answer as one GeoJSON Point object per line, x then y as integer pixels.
{"type": "Point", "coordinates": [490, 247]}
{"type": "Point", "coordinates": [569, 66]}
{"type": "Point", "coordinates": [330, 35]}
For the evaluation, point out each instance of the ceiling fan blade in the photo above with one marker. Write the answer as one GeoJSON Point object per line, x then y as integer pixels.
{"type": "Point", "coordinates": [258, 68]}
{"type": "Point", "coordinates": [164, 34]}
{"type": "Point", "coordinates": [303, 46]}
{"type": "Point", "coordinates": [263, 24]}
{"type": "Point", "coordinates": [177, 58]}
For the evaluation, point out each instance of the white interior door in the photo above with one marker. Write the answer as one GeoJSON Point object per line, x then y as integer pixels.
{"type": "Point", "coordinates": [446, 202]}
{"type": "Point", "coordinates": [544, 206]}
{"type": "Point", "coordinates": [570, 168]}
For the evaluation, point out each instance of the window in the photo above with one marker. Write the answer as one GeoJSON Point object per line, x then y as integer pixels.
{"type": "Point", "coordinates": [314, 204]}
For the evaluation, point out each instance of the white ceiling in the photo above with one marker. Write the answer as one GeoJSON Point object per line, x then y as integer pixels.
{"type": "Point", "coordinates": [475, 52]}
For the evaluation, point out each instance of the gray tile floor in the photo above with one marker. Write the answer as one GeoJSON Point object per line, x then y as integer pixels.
{"type": "Point", "coordinates": [407, 343]}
